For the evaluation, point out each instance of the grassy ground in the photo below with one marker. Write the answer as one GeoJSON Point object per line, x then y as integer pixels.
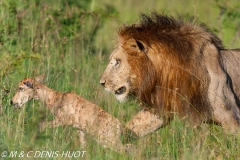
{"type": "Point", "coordinates": [70, 41]}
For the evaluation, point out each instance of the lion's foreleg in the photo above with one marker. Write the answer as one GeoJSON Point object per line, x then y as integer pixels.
{"type": "Point", "coordinates": [145, 122]}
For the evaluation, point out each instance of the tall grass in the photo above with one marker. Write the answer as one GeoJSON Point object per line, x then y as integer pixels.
{"type": "Point", "coordinates": [70, 41]}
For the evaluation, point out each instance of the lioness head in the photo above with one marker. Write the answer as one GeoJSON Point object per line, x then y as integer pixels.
{"type": "Point", "coordinates": [128, 71]}
{"type": "Point", "coordinates": [25, 91]}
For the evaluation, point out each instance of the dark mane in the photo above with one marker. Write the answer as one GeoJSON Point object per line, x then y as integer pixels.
{"type": "Point", "coordinates": [179, 34]}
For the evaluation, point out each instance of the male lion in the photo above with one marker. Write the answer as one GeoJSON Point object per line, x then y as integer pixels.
{"type": "Point", "coordinates": [178, 67]}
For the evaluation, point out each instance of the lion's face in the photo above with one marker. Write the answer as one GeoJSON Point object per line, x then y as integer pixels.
{"type": "Point", "coordinates": [129, 71]}
{"type": "Point", "coordinates": [116, 77]}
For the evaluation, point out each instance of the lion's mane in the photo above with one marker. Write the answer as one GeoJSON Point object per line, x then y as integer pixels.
{"type": "Point", "coordinates": [173, 79]}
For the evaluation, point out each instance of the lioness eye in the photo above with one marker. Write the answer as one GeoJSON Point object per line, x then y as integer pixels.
{"type": "Point", "coordinates": [20, 89]}
{"type": "Point", "coordinates": [117, 62]}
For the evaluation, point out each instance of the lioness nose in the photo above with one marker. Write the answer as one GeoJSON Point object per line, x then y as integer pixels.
{"type": "Point", "coordinates": [102, 82]}
{"type": "Point", "coordinates": [11, 102]}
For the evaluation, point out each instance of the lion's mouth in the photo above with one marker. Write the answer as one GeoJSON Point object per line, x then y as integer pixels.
{"type": "Point", "coordinates": [121, 90]}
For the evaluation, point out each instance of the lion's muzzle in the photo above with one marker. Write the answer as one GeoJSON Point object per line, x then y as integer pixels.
{"type": "Point", "coordinates": [103, 82]}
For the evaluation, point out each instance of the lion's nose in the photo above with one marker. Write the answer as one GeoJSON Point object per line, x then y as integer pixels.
{"type": "Point", "coordinates": [102, 82]}
{"type": "Point", "coordinates": [11, 102]}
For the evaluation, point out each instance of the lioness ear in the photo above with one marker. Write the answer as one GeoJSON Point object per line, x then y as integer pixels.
{"type": "Point", "coordinates": [139, 45]}
{"type": "Point", "coordinates": [40, 78]}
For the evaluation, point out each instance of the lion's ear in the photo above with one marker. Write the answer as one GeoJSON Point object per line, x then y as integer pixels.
{"type": "Point", "coordinates": [138, 45]}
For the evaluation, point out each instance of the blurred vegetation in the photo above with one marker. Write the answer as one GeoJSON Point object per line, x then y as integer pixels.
{"type": "Point", "coordinates": [70, 41]}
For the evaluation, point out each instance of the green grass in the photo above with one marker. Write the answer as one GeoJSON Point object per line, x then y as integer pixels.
{"type": "Point", "coordinates": [70, 41]}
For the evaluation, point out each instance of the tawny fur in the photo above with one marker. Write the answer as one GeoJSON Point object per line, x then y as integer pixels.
{"type": "Point", "coordinates": [71, 109]}
{"type": "Point", "coordinates": [175, 67]}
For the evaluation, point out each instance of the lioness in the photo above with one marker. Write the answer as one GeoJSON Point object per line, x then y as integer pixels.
{"type": "Point", "coordinates": [71, 109]}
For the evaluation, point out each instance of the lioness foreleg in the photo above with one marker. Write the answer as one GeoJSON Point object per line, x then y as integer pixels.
{"type": "Point", "coordinates": [51, 124]}
{"type": "Point", "coordinates": [82, 139]}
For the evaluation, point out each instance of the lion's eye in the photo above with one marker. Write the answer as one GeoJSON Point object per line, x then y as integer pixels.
{"type": "Point", "coordinates": [117, 62]}
{"type": "Point", "coordinates": [20, 89]}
